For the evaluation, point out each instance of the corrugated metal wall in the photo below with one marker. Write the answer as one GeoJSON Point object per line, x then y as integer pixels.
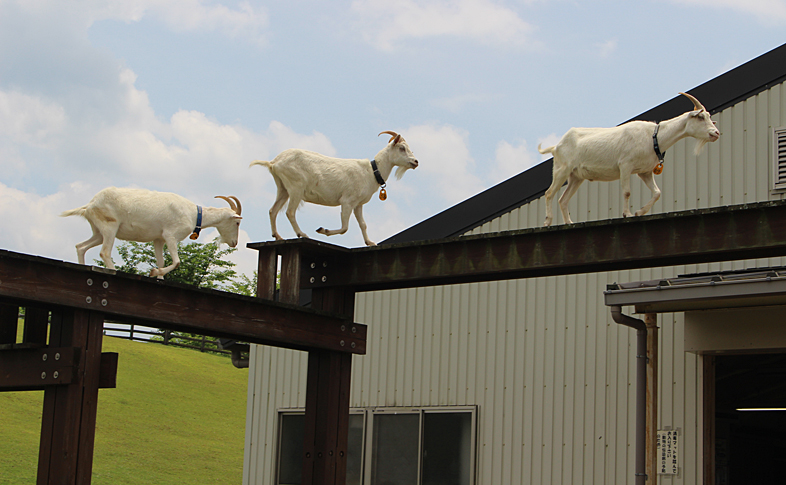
{"type": "Point", "coordinates": [550, 372]}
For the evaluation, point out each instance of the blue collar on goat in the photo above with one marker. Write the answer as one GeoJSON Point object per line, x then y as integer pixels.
{"type": "Point", "coordinates": [198, 227]}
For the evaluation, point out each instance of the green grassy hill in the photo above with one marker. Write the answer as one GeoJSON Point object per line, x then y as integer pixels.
{"type": "Point", "coordinates": [177, 416]}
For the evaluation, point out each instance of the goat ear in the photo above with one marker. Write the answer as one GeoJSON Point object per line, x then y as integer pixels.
{"type": "Point", "coordinates": [396, 139]}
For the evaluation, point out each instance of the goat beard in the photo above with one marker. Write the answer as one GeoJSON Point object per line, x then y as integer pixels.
{"type": "Point", "coordinates": [699, 146]}
{"type": "Point", "coordinates": [400, 172]}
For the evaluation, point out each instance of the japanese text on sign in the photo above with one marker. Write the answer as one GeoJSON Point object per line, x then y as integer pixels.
{"type": "Point", "coordinates": [668, 452]}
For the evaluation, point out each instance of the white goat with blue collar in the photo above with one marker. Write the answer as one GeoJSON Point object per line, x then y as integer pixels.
{"type": "Point", "coordinates": [304, 176]}
{"type": "Point", "coordinates": [144, 216]}
{"type": "Point", "coordinates": [607, 154]}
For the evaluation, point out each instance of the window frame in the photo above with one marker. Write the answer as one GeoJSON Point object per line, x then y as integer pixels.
{"type": "Point", "coordinates": [421, 411]}
{"type": "Point", "coordinates": [368, 435]}
{"type": "Point", "coordinates": [302, 411]}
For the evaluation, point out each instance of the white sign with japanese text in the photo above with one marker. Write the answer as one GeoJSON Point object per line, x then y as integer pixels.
{"type": "Point", "coordinates": [668, 452]}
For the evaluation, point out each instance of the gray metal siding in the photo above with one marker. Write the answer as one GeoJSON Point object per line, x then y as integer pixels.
{"type": "Point", "coordinates": [550, 372]}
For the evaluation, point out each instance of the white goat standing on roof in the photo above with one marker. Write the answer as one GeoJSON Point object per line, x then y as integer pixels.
{"type": "Point", "coordinates": [144, 216]}
{"type": "Point", "coordinates": [617, 153]}
{"type": "Point", "coordinates": [304, 176]}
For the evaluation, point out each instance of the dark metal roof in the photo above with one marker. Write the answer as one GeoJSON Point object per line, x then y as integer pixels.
{"type": "Point", "coordinates": [716, 94]}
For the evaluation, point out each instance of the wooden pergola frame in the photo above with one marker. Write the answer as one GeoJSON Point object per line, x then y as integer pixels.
{"type": "Point", "coordinates": [79, 299]}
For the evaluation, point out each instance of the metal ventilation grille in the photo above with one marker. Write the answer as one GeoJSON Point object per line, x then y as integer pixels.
{"type": "Point", "coordinates": [779, 157]}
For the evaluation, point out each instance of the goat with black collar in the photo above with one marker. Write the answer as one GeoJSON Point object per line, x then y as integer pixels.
{"type": "Point", "coordinates": [606, 154]}
{"type": "Point", "coordinates": [304, 176]}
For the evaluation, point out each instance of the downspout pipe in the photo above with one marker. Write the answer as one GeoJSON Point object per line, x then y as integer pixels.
{"type": "Point", "coordinates": [641, 388]}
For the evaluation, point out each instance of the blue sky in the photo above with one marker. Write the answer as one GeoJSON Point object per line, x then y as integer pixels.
{"type": "Point", "coordinates": [180, 96]}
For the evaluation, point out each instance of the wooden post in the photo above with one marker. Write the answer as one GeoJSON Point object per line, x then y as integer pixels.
{"type": "Point", "coordinates": [289, 289]}
{"type": "Point", "coordinates": [651, 320]}
{"type": "Point", "coordinates": [267, 267]}
{"type": "Point", "coordinates": [69, 415]}
{"type": "Point", "coordinates": [9, 319]}
{"type": "Point", "coordinates": [36, 326]}
{"type": "Point", "coordinates": [327, 400]}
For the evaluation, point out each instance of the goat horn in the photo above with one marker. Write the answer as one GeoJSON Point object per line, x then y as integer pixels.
{"type": "Point", "coordinates": [392, 134]}
{"type": "Point", "coordinates": [695, 101]}
{"type": "Point", "coordinates": [239, 207]}
{"type": "Point", "coordinates": [229, 201]}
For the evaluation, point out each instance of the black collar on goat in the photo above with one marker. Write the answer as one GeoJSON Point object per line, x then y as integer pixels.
{"type": "Point", "coordinates": [377, 175]}
{"type": "Point", "coordinates": [659, 167]}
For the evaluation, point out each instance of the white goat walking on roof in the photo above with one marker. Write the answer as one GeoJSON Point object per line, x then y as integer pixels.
{"type": "Point", "coordinates": [607, 154]}
{"type": "Point", "coordinates": [144, 216]}
{"type": "Point", "coordinates": [304, 176]}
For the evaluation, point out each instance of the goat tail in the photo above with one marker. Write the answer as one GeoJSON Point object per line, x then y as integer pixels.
{"type": "Point", "coordinates": [80, 211]}
{"type": "Point", "coordinates": [546, 150]}
{"type": "Point", "coordinates": [261, 162]}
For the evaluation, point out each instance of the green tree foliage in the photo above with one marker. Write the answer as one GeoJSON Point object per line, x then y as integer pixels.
{"type": "Point", "coordinates": [201, 265]}
{"type": "Point", "coordinates": [244, 285]}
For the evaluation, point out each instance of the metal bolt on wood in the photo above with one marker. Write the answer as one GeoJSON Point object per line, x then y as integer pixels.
{"type": "Point", "coordinates": [90, 282]}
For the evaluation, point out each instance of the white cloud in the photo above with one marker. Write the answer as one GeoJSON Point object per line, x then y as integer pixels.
{"type": "Point", "coordinates": [37, 227]}
{"type": "Point", "coordinates": [384, 23]}
{"type": "Point", "coordinates": [446, 167]}
{"type": "Point", "coordinates": [511, 160]}
{"type": "Point", "coordinates": [767, 11]}
{"type": "Point", "coordinates": [189, 154]}
{"type": "Point", "coordinates": [548, 141]}
{"type": "Point", "coordinates": [29, 119]}
{"type": "Point", "coordinates": [606, 49]}
{"type": "Point", "coordinates": [246, 21]}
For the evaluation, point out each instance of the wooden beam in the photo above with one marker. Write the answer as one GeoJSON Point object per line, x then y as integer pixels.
{"type": "Point", "coordinates": [26, 369]}
{"type": "Point", "coordinates": [35, 368]}
{"type": "Point", "coordinates": [699, 236]}
{"type": "Point", "coordinates": [149, 301]}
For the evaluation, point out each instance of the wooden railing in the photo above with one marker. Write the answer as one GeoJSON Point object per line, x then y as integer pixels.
{"type": "Point", "coordinates": [167, 337]}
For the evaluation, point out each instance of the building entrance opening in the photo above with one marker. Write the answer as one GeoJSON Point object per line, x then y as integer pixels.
{"type": "Point", "coordinates": [750, 419]}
